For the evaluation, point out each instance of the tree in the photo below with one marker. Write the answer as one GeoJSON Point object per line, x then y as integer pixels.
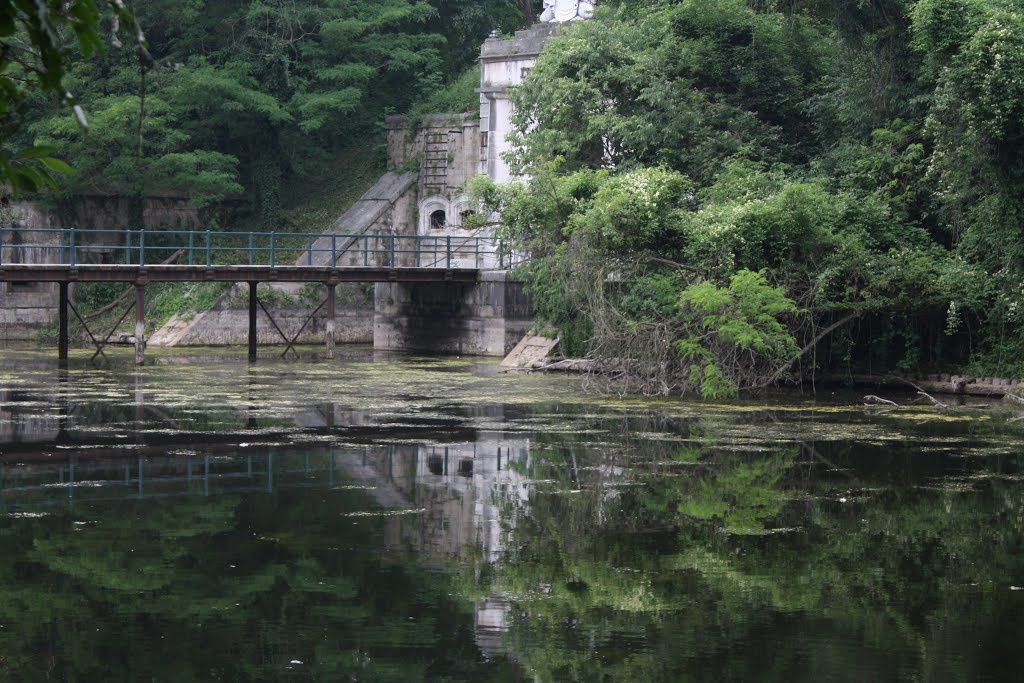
{"type": "Point", "coordinates": [864, 160]}
{"type": "Point", "coordinates": [35, 57]}
{"type": "Point", "coordinates": [257, 97]}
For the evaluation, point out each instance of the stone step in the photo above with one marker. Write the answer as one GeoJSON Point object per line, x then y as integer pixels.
{"type": "Point", "coordinates": [529, 352]}
{"type": "Point", "coordinates": [171, 332]}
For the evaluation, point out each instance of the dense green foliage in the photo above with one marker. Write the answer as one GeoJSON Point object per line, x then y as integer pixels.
{"type": "Point", "coordinates": [458, 96]}
{"type": "Point", "coordinates": [246, 100]}
{"type": "Point", "coordinates": [33, 57]}
{"type": "Point", "coordinates": [866, 158]}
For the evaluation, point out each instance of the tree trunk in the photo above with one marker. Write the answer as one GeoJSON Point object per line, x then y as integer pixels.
{"type": "Point", "coordinates": [527, 7]}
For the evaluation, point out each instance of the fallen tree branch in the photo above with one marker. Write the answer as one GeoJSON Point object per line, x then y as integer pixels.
{"type": "Point", "coordinates": [871, 398]}
{"type": "Point", "coordinates": [128, 293]}
{"type": "Point", "coordinates": [934, 400]}
{"type": "Point", "coordinates": [671, 264]}
{"type": "Point", "coordinates": [920, 391]}
{"type": "Point", "coordinates": [569, 364]}
{"type": "Point", "coordinates": [814, 342]}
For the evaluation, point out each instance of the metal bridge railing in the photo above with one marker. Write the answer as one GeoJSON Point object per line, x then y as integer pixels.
{"type": "Point", "coordinates": [72, 247]}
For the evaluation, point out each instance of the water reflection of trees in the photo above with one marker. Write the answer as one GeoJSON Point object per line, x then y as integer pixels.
{"type": "Point", "coordinates": [710, 547]}
{"type": "Point", "coordinates": [225, 588]}
{"type": "Point", "coordinates": [797, 562]}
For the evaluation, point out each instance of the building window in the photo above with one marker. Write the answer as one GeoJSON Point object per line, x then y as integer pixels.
{"type": "Point", "coordinates": [466, 218]}
{"type": "Point", "coordinates": [438, 220]}
{"type": "Point", "coordinates": [435, 464]}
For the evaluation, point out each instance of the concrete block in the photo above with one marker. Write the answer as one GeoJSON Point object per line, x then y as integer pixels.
{"type": "Point", "coordinates": [35, 316]}
{"type": "Point", "coordinates": [31, 298]}
{"type": "Point", "coordinates": [468, 319]}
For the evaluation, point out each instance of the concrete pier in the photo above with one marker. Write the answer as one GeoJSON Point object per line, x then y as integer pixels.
{"type": "Point", "coordinates": [140, 322]}
{"type": "Point", "coordinates": [486, 318]}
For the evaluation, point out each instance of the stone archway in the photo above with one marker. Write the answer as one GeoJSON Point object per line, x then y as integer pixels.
{"type": "Point", "coordinates": [434, 215]}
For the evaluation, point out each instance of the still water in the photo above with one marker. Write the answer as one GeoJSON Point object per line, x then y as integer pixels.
{"type": "Point", "coordinates": [389, 518]}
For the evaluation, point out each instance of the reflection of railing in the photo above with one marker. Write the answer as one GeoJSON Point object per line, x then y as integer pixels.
{"type": "Point", "coordinates": [372, 468]}
{"type": "Point", "coordinates": [153, 248]}
{"type": "Point", "coordinates": [148, 478]}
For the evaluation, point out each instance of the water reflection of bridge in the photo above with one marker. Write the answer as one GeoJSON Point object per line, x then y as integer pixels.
{"type": "Point", "coordinates": [457, 486]}
{"type": "Point", "coordinates": [458, 493]}
{"type": "Point", "coordinates": [125, 447]}
{"type": "Point", "coordinates": [106, 479]}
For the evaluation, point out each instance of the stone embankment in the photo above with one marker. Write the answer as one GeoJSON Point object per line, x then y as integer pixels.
{"type": "Point", "coordinates": [963, 385]}
{"type": "Point", "coordinates": [227, 324]}
{"type": "Point", "coordinates": [383, 209]}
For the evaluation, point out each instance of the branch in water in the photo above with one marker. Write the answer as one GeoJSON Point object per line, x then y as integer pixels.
{"type": "Point", "coordinates": [814, 342]}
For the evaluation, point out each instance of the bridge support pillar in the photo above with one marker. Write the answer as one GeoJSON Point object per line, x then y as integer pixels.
{"type": "Point", "coordinates": [329, 330]}
{"type": "Point", "coordinates": [62, 332]}
{"type": "Point", "coordinates": [252, 321]}
{"type": "Point", "coordinates": [484, 318]}
{"type": "Point", "coordinates": [140, 323]}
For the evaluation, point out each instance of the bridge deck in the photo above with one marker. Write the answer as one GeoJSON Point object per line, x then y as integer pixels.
{"type": "Point", "coordinates": [218, 273]}
{"type": "Point", "coordinates": [66, 256]}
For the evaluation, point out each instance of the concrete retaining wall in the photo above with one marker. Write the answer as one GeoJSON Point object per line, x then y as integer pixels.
{"type": "Point", "coordinates": [227, 322]}
{"type": "Point", "coordinates": [27, 307]}
{"type": "Point", "coordinates": [20, 321]}
{"type": "Point", "coordinates": [231, 327]}
{"type": "Point", "coordinates": [487, 318]}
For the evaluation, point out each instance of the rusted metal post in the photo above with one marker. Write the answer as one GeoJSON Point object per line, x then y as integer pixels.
{"type": "Point", "coordinates": [140, 323]}
{"type": "Point", "coordinates": [63, 409]}
{"type": "Point", "coordinates": [252, 321]}
{"type": "Point", "coordinates": [140, 404]}
{"type": "Point", "coordinates": [62, 332]}
{"type": "Point", "coordinates": [329, 332]}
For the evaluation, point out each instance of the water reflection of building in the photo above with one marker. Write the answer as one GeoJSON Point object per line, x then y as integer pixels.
{"type": "Point", "coordinates": [461, 488]}
{"type": "Point", "coordinates": [466, 491]}
{"type": "Point", "coordinates": [462, 492]}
